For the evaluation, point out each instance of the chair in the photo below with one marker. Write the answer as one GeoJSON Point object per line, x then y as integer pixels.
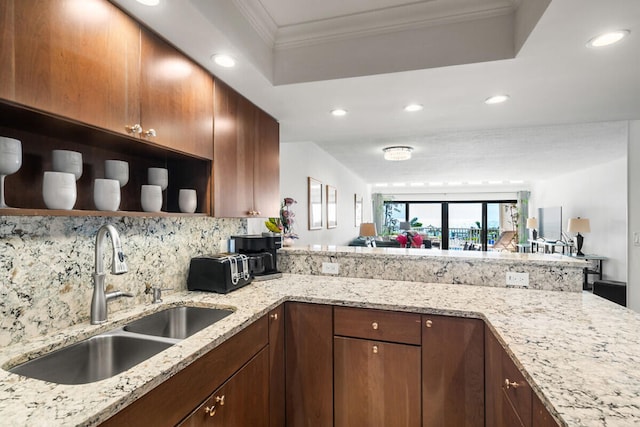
{"type": "Point", "coordinates": [506, 241]}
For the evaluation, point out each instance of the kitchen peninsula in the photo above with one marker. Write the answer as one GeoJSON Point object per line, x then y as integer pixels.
{"type": "Point", "coordinates": [576, 350]}
{"type": "Point", "coordinates": [545, 271]}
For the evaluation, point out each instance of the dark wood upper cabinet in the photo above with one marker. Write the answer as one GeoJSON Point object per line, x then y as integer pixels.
{"type": "Point", "coordinates": [176, 99]}
{"type": "Point", "coordinates": [7, 65]}
{"type": "Point", "coordinates": [452, 371]}
{"type": "Point", "coordinates": [246, 180]}
{"type": "Point", "coordinates": [77, 59]}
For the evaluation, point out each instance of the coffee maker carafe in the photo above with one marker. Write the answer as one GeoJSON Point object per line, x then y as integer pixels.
{"type": "Point", "coordinates": [262, 251]}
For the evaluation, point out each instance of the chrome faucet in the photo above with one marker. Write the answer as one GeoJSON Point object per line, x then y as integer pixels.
{"type": "Point", "coordinates": [118, 266]}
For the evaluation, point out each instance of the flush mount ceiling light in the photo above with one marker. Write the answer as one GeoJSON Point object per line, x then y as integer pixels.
{"type": "Point", "coordinates": [397, 153]}
{"type": "Point", "coordinates": [413, 107]}
{"type": "Point", "coordinates": [496, 99]}
{"type": "Point", "coordinates": [223, 60]}
{"type": "Point", "coordinates": [339, 112]}
{"type": "Point", "coordinates": [607, 39]}
{"type": "Point", "coordinates": [149, 2]}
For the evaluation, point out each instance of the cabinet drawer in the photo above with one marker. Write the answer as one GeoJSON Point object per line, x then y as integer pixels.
{"type": "Point", "coordinates": [377, 325]}
{"type": "Point", "coordinates": [516, 389]}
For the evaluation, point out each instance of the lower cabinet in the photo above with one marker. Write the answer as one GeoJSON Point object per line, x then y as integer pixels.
{"type": "Point", "coordinates": [452, 371]}
{"type": "Point", "coordinates": [376, 383]}
{"type": "Point", "coordinates": [241, 401]}
{"type": "Point", "coordinates": [509, 398]}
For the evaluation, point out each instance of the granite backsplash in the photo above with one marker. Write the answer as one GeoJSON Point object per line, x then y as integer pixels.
{"type": "Point", "coordinates": [46, 264]}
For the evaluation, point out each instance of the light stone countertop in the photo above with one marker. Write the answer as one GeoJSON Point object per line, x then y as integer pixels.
{"type": "Point", "coordinates": [580, 351]}
{"type": "Point", "coordinates": [507, 257]}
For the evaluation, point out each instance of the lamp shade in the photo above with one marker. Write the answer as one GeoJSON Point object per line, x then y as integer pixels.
{"type": "Point", "coordinates": [532, 222]}
{"type": "Point", "coordinates": [579, 225]}
{"type": "Point", "coordinates": [368, 229]}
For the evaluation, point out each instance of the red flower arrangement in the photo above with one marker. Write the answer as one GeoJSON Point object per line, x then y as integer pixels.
{"type": "Point", "coordinates": [415, 238]}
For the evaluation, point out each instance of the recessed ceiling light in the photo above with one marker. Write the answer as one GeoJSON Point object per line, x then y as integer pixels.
{"type": "Point", "coordinates": [495, 182]}
{"type": "Point", "coordinates": [397, 153]}
{"type": "Point", "coordinates": [454, 183]}
{"type": "Point", "coordinates": [496, 99]}
{"type": "Point", "coordinates": [607, 39]}
{"type": "Point", "coordinates": [517, 181]}
{"type": "Point", "coordinates": [417, 184]}
{"type": "Point", "coordinates": [339, 112]}
{"type": "Point", "coordinates": [414, 107]}
{"type": "Point", "coordinates": [149, 2]}
{"type": "Point", "coordinates": [224, 60]}
{"type": "Point", "coordinates": [475, 182]}
{"type": "Point", "coordinates": [435, 184]}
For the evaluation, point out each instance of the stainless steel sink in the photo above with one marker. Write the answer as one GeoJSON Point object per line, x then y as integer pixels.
{"type": "Point", "coordinates": [116, 351]}
{"type": "Point", "coordinates": [93, 359]}
{"type": "Point", "coordinates": [177, 322]}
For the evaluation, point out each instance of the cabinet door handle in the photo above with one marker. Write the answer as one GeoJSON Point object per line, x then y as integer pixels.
{"type": "Point", "coordinates": [375, 349]}
{"type": "Point", "coordinates": [374, 325]}
{"type": "Point", "coordinates": [134, 129]}
{"type": "Point", "coordinates": [274, 316]}
{"type": "Point", "coordinates": [212, 410]}
{"type": "Point", "coordinates": [510, 384]}
{"type": "Point", "coordinates": [149, 133]}
{"type": "Point", "coordinates": [428, 323]}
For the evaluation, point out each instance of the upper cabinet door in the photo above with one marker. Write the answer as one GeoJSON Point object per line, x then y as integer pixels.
{"type": "Point", "coordinates": [7, 69]}
{"type": "Point", "coordinates": [266, 188]}
{"type": "Point", "coordinates": [77, 59]}
{"type": "Point", "coordinates": [176, 99]}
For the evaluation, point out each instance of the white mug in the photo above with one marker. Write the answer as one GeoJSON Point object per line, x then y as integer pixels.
{"type": "Point", "coordinates": [67, 161]}
{"type": "Point", "coordinates": [106, 194]}
{"type": "Point", "coordinates": [59, 190]}
{"type": "Point", "coordinates": [151, 198]}
{"type": "Point", "coordinates": [187, 200]}
{"type": "Point", "coordinates": [158, 176]}
{"type": "Point", "coordinates": [117, 169]}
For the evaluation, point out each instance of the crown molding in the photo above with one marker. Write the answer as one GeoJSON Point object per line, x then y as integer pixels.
{"type": "Point", "coordinates": [367, 24]}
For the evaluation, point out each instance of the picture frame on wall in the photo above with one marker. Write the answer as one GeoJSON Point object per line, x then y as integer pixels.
{"type": "Point", "coordinates": [314, 191]}
{"type": "Point", "coordinates": [332, 207]}
{"type": "Point", "coordinates": [357, 209]}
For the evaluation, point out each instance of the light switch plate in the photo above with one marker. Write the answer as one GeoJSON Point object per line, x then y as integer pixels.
{"type": "Point", "coordinates": [330, 268]}
{"type": "Point", "coordinates": [636, 238]}
{"type": "Point", "coordinates": [517, 279]}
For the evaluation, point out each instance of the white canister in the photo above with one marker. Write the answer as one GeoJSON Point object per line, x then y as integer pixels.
{"type": "Point", "coordinates": [187, 200]}
{"type": "Point", "coordinates": [151, 198]}
{"type": "Point", "coordinates": [59, 190]}
{"type": "Point", "coordinates": [106, 194]}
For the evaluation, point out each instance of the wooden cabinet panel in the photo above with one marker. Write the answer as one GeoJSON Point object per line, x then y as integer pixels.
{"type": "Point", "coordinates": [276, 368]}
{"type": "Point", "coordinates": [78, 59]}
{"type": "Point", "coordinates": [377, 325]}
{"type": "Point", "coordinates": [376, 383]}
{"type": "Point", "coordinates": [309, 364]}
{"type": "Point", "coordinates": [7, 64]}
{"type": "Point", "coordinates": [241, 401]}
{"type": "Point", "coordinates": [541, 416]}
{"type": "Point", "coordinates": [246, 157]}
{"type": "Point", "coordinates": [501, 400]}
{"type": "Point", "coordinates": [452, 371]}
{"type": "Point", "coordinates": [176, 99]}
{"type": "Point", "coordinates": [175, 398]}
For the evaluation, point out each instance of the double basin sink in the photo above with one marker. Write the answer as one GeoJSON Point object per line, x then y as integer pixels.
{"type": "Point", "coordinates": [108, 354]}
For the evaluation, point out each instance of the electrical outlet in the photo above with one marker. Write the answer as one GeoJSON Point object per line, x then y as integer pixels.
{"type": "Point", "coordinates": [517, 279]}
{"type": "Point", "coordinates": [330, 268]}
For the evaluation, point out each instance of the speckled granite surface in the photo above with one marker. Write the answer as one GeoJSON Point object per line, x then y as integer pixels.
{"type": "Point", "coordinates": [549, 272]}
{"type": "Point", "coordinates": [46, 265]}
{"type": "Point", "coordinates": [580, 351]}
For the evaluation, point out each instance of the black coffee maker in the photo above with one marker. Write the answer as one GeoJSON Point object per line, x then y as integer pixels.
{"type": "Point", "coordinates": [262, 251]}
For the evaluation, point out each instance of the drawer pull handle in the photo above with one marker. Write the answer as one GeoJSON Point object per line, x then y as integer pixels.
{"type": "Point", "coordinates": [374, 325]}
{"type": "Point", "coordinates": [428, 323]}
{"type": "Point", "coordinates": [375, 349]}
{"type": "Point", "coordinates": [212, 411]}
{"type": "Point", "coordinates": [274, 316]}
{"type": "Point", "coordinates": [510, 384]}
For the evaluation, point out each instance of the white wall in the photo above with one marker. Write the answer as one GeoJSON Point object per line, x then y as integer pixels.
{"type": "Point", "coordinates": [600, 194]}
{"type": "Point", "coordinates": [300, 160]}
{"type": "Point", "coordinates": [633, 159]}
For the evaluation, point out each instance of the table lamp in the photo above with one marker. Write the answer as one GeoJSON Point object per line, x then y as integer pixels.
{"type": "Point", "coordinates": [368, 230]}
{"type": "Point", "coordinates": [532, 224]}
{"type": "Point", "coordinates": [579, 225]}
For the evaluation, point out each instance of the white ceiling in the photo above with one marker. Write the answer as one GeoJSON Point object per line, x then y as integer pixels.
{"type": "Point", "coordinates": [373, 57]}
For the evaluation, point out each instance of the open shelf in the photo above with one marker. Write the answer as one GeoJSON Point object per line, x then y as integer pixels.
{"type": "Point", "coordinates": [76, 212]}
